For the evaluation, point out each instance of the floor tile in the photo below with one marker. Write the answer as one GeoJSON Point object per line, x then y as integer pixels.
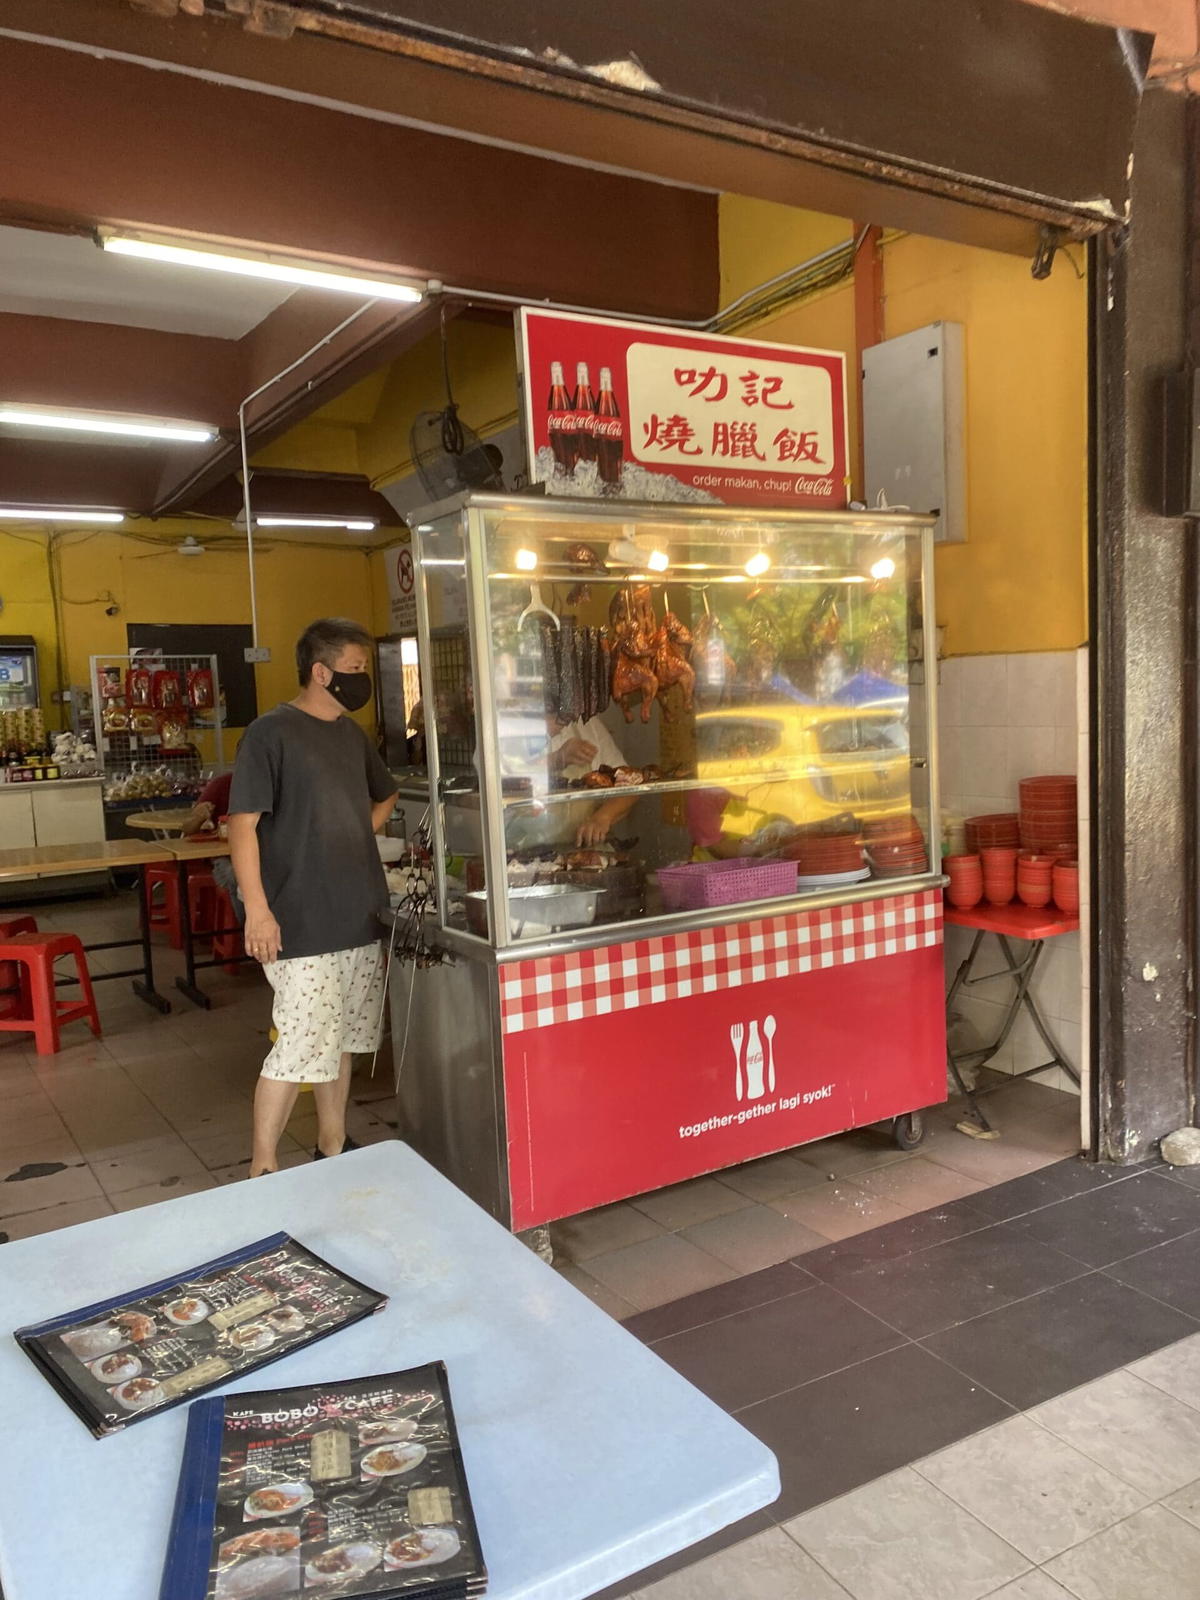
{"type": "Point", "coordinates": [1060, 1180]}
{"type": "Point", "coordinates": [1034, 1585]}
{"type": "Point", "coordinates": [772, 1177]}
{"type": "Point", "coordinates": [224, 1149]}
{"type": "Point", "coordinates": [989, 1161]}
{"type": "Point", "coordinates": [1119, 1220]}
{"type": "Point", "coordinates": [900, 1537]}
{"type": "Point", "coordinates": [1175, 1370]}
{"type": "Point", "coordinates": [769, 1566]}
{"type": "Point", "coordinates": [767, 1349]}
{"type": "Point", "coordinates": [1188, 1176]}
{"type": "Point", "coordinates": [1185, 1503]}
{"type": "Point", "coordinates": [36, 1192]}
{"type": "Point", "coordinates": [1038, 1348]}
{"type": "Point", "coordinates": [953, 1282]}
{"type": "Point", "coordinates": [1150, 1556]}
{"type": "Point", "coordinates": [687, 1560]}
{"type": "Point", "coordinates": [753, 1237]}
{"type": "Point", "coordinates": [1143, 1436]}
{"type": "Point", "coordinates": [595, 1291]}
{"type": "Point", "coordinates": [608, 1228]}
{"type": "Point", "coordinates": [48, 1140]}
{"type": "Point", "coordinates": [1168, 1272]}
{"type": "Point", "coordinates": [860, 1151]}
{"type": "Point", "coordinates": [1033, 1489]}
{"type": "Point", "coordinates": [239, 1171]}
{"type": "Point", "coordinates": [838, 1210]}
{"type": "Point", "coordinates": [739, 1294]}
{"type": "Point", "coordinates": [139, 1164]}
{"type": "Point", "coordinates": [683, 1204]}
{"type": "Point", "coordinates": [152, 1194]}
{"type": "Point", "coordinates": [840, 1432]}
{"type": "Point", "coordinates": [31, 1223]}
{"type": "Point", "coordinates": [833, 1261]}
{"type": "Point", "coordinates": [657, 1270]}
{"type": "Point", "coordinates": [918, 1184]}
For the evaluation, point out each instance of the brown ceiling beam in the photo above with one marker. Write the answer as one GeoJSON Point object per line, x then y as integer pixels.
{"type": "Point", "coordinates": [173, 152]}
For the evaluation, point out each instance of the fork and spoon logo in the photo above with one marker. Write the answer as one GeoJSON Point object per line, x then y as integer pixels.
{"type": "Point", "coordinates": [750, 1081]}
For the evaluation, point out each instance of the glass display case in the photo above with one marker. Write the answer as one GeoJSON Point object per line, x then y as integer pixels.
{"type": "Point", "coordinates": [642, 717]}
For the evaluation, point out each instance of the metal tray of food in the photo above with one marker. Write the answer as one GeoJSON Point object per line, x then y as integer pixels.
{"type": "Point", "coordinates": [544, 906]}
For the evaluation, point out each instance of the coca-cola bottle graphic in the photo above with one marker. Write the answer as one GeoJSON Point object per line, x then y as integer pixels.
{"type": "Point", "coordinates": [610, 435]}
{"type": "Point", "coordinates": [585, 414]}
{"type": "Point", "coordinates": [561, 421]}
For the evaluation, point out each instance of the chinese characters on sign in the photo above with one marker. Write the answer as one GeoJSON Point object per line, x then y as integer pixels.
{"type": "Point", "coordinates": [681, 416]}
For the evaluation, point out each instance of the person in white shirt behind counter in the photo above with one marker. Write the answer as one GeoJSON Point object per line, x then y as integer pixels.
{"type": "Point", "coordinates": [575, 749]}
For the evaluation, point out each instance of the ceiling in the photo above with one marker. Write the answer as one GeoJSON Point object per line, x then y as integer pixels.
{"type": "Point", "coordinates": [64, 275]}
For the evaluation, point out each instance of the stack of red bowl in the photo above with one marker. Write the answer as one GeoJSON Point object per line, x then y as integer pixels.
{"type": "Point", "coordinates": [896, 847]}
{"type": "Point", "coordinates": [1065, 883]}
{"type": "Point", "coordinates": [965, 888]}
{"type": "Point", "coordinates": [825, 855]}
{"type": "Point", "coordinates": [999, 873]}
{"type": "Point", "coordinates": [996, 828]}
{"type": "Point", "coordinates": [1033, 879]}
{"type": "Point", "coordinates": [1049, 824]}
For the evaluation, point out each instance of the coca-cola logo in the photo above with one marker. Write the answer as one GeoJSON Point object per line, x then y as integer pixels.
{"type": "Point", "coordinates": [609, 427]}
{"type": "Point", "coordinates": [585, 422]}
{"type": "Point", "coordinates": [560, 421]}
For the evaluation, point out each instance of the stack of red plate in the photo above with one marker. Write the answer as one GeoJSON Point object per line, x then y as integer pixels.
{"type": "Point", "coordinates": [896, 847]}
{"type": "Point", "coordinates": [1049, 819]}
{"type": "Point", "coordinates": [824, 855]}
{"type": "Point", "coordinates": [1001, 828]}
{"type": "Point", "coordinates": [999, 873]}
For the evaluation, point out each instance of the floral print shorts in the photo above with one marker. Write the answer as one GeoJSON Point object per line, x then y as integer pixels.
{"type": "Point", "coordinates": [324, 1005]}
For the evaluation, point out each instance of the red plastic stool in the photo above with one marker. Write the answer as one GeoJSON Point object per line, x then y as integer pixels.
{"type": "Point", "coordinates": [36, 954]}
{"type": "Point", "coordinates": [10, 974]}
{"type": "Point", "coordinates": [167, 913]}
{"type": "Point", "coordinates": [202, 903]}
{"type": "Point", "coordinates": [227, 946]}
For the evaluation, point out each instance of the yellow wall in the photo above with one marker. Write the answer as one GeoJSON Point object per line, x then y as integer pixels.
{"type": "Point", "coordinates": [1019, 582]}
{"type": "Point", "coordinates": [151, 582]}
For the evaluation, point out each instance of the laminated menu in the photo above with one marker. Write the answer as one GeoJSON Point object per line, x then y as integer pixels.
{"type": "Point", "coordinates": [336, 1489]}
{"type": "Point", "coordinates": [123, 1359]}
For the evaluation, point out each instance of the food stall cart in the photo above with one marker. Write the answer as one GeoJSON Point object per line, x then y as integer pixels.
{"type": "Point", "coordinates": [685, 844]}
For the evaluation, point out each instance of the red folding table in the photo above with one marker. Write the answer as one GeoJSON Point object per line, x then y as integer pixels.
{"type": "Point", "coordinates": [1006, 923]}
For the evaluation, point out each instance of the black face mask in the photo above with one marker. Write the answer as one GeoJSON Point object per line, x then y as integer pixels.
{"type": "Point", "coordinates": [351, 689]}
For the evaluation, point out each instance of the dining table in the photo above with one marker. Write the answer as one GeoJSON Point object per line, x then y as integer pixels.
{"type": "Point", "coordinates": [102, 855]}
{"type": "Point", "coordinates": [587, 1457]}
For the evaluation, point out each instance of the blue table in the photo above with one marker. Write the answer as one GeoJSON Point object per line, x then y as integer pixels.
{"type": "Point", "coordinates": [588, 1458]}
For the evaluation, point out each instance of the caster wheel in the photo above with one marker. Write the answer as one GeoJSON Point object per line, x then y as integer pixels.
{"type": "Point", "coordinates": [908, 1131]}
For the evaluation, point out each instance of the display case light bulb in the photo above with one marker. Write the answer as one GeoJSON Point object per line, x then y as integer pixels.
{"type": "Point", "coordinates": [526, 560]}
{"type": "Point", "coordinates": [757, 564]}
{"type": "Point", "coordinates": [885, 567]}
{"type": "Point", "coordinates": [658, 561]}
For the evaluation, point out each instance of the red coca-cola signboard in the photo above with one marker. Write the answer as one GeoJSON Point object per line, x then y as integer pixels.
{"type": "Point", "coordinates": [633, 411]}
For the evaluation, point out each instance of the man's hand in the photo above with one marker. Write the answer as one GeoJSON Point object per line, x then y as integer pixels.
{"type": "Point", "coordinates": [575, 753]}
{"type": "Point", "coordinates": [261, 935]}
{"type": "Point", "coordinates": [595, 830]}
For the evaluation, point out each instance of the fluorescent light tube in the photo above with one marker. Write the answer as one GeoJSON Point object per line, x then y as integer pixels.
{"type": "Point", "coordinates": [114, 423]}
{"type": "Point", "coordinates": [278, 270]}
{"type": "Point", "coordinates": [351, 524]}
{"type": "Point", "coordinates": [42, 514]}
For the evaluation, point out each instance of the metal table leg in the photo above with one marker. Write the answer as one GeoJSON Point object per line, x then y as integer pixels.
{"type": "Point", "coordinates": [187, 984]}
{"type": "Point", "coordinates": [1022, 973]}
{"type": "Point", "coordinates": [143, 987]}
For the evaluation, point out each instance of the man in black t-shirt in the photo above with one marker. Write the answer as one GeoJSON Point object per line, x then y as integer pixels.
{"type": "Point", "coordinates": [309, 795]}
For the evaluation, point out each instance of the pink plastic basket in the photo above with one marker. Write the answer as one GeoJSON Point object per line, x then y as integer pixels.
{"type": "Point", "coordinates": [724, 883]}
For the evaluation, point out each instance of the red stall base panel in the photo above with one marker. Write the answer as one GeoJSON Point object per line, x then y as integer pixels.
{"type": "Point", "coordinates": [638, 1065]}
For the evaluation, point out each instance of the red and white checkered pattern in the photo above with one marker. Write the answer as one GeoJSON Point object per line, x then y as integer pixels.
{"type": "Point", "coordinates": [645, 972]}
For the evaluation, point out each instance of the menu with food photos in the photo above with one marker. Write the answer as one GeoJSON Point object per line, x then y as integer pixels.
{"type": "Point", "coordinates": [338, 1489]}
{"type": "Point", "coordinates": [123, 1359]}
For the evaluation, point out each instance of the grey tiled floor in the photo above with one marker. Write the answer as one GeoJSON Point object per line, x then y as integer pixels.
{"type": "Point", "coordinates": [156, 1107]}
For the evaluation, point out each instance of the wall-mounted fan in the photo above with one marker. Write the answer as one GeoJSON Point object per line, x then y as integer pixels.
{"type": "Point", "coordinates": [449, 456]}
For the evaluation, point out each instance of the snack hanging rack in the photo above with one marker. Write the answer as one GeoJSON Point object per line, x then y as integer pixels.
{"type": "Point", "coordinates": [157, 715]}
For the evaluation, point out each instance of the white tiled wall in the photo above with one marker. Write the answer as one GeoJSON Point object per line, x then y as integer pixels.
{"type": "Point", "coordinates": [1002, 718]}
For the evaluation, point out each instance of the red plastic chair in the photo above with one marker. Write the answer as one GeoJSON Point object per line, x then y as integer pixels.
{"type": "Point", "coordinates": [10, 974]}
{"type": "Point", "coordinates": [42, 1012]}
{"type": "Point", "coordinates": [167, 912]}
{"type": "Point", "coordinates": [202, 903]}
